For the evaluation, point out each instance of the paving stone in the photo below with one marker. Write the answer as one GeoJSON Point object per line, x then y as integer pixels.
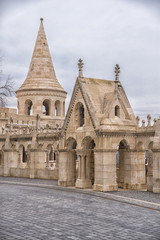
{"type": "Point", "coordinates": [28, 212]}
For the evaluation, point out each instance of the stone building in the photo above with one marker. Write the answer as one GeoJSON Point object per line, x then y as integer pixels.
{"type": "Point", "coordinates": [98, 144]}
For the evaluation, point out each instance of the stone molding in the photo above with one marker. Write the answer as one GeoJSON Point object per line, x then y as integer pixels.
{"type": "Point", "coordinates": [53, 93]}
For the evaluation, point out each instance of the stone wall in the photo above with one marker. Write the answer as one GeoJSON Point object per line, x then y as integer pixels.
{"type": "Point", "coordinates": [39, 173]}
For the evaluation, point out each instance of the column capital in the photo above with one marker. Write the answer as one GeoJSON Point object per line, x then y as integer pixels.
{"type": "Point", "coordinates": [83, 152]}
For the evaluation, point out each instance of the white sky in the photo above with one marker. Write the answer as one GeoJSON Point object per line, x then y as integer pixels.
{"type": "Point", "coordinates": [101, 32]}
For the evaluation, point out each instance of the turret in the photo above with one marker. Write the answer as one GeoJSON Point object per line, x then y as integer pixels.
{"type": "Point", "coordinates": [41, 93]}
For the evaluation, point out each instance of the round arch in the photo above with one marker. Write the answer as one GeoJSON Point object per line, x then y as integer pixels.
{"type": "Point", "coordinates": [79, 114]}
{"type": "Point", "coordinates": [57, 108]}
{"type": "Point", "coordinates": [23, 154]}
{"type": "Point", "coordinates": [71, 143]}
{"type": "Point", "coordinates": [28, 107]}
{"type": "Point", "coordinates": [88, 143]}
{"type": "Point", "coordinates": [46, 107]}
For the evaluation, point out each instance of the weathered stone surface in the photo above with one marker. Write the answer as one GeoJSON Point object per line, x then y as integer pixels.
{"type": "Point", "coordinates": [99, 144]}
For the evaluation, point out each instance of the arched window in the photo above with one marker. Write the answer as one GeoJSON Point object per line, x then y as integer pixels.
{"type": "Point", "coordinates": [46, 107]}
{"type": "Point", "coordinates": [54, 156]}
{"type": "Point", "coordinates": [117, 111]}
{"type": "Point", "coordinates": [51, 155]}
{"type": "Point", "coordinates": [63, 109]}
{"type": "Point", "coordinates": [81, 117]}
{"type": "Point", "coordinates": [18, 106]}
{"type": "Point", "coordinates": [24, 155]}
{"type": "Point", "coordinates": [0, 158]}
{"type": "Point", "coordinates": [92, 145]}
{"type": "Point", "coordinates": [57, 108]}
{"type": "Point", "coordinates": [79, 114]}
{"type": "Point", "coordinates": [28, 107]}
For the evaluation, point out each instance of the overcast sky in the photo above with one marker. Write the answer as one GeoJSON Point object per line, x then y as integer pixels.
{"type": "Point", "coordinates": [101, 32]}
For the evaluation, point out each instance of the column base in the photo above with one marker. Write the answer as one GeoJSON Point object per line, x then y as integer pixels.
{"type": "Point", "coordinates": [156, 190]}
{"type": "Point", "coordinates": [83, 183]}
{"type": "Point", "coordinates": [132, 186]}
{"type": "Point", "coordinates": [150, 183]}
{"type": "Point", "coordinates": [105, 188]}
{"type": "Point", "coordinates": [69, 183]}
{"type": "Point", "coordinates": [32, 173]}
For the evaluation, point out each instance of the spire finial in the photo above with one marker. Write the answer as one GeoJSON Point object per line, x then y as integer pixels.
{"type": "Point", "coordinates": [117, 71]}
{"type": "Point", "coordinates": [41, 19]}
{"type": "Point", "coordinates": [80, 66]}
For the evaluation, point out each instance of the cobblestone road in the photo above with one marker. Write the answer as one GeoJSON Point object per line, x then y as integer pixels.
{"type": "Point", "coordinates": [29, 212]}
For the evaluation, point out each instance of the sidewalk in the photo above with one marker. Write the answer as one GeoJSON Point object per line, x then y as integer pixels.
{"type": "Point", "coordinates": [139, 198]}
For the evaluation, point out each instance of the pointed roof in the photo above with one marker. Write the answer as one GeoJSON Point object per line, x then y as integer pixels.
{"type": "Point", "coordinates": [100, 96]}
{"type": "Point", "coordinates": [41, 74]}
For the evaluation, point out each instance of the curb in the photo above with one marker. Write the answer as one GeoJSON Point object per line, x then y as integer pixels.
{"type": "Point", "coordinates": [107, 196]}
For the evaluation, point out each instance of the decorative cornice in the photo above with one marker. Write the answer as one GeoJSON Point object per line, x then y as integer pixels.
{"type": "Point", "coordinates": [70, 108]}
{"type": "Point", "coordinates": [46, 92]}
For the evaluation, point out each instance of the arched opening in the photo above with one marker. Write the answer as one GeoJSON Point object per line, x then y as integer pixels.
{"type": "Point", "coordinates": [71, 145]}
{"type": "Point", "coordinates": [2, 156]}
{"type": "Point", "coordinates": [63, 109]}
{"type": "Point", "coordinates": [88, 144]}
{"type": "Point", "coordinates": [46, 107]}
{"type": "Point", "coordinates": [57, 108]}
{"type": "Point", "coordinates": [28, 154]}
{"type": "Point", "coordinates": [18, 106]}
{"type": "Point", "coordinates": [24, 156]}
{"type": "Point", "coordinates": [51, 156]}
{"type": "Point", "coordinates": [92, 146]}
{"type": "Point", "coordinates": [149, 166]}
{"type": "Point", "coordinates": [28, 107]}
{"type": "Point", "coordinates": [123, 164]}
{"type": "Point", "coordinates": [117, 111]}
{"type": "Point", "coordinates": [79, 114]}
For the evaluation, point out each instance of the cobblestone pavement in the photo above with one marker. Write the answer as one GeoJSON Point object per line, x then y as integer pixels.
{"type": "Point", "coordinates": [29, 212]}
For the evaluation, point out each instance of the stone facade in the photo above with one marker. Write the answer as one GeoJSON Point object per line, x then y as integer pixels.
{"type": "Point", "coordinates": [99, 144]}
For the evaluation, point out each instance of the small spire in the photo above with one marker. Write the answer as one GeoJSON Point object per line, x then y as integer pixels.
{"type": "Point", "coordinates": [80, 66]}
{"type": "Point", "coordinates": [149, 120]}
{"type": "Point", "coordinates": [41, 19]}
{"type": "Point", "coordinates": [117, 71]}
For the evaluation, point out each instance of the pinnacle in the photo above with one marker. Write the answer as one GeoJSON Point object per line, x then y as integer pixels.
{"type": "Point", "coordinates": [41, 74]}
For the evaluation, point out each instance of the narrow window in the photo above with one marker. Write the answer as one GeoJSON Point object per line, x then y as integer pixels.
{"type": "Point", "coordinates": [57, 108]}
{"type": "Point", "coordinates": [28, 107]}
{"type": "Point", "coordinates": [63, 109]}
{"type": "Point", "coordinates": [81, 116]}
{"type": "Point", "coordinates": [46, 107]}
{"type": "Point", "coordinates": [117, 111]}
{"type": "Point", "coordinates": [24, 155]}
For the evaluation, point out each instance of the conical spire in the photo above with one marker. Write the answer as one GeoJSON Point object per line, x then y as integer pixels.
{"type": "Point", "coordinates": [41, 74]}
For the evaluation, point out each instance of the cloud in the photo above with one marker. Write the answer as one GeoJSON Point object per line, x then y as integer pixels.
{"type": "Point", "coordinates": [102, 33]}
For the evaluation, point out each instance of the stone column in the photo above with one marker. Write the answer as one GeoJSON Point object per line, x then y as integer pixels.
{"type": "Point", "coordinates": [37, 162]}
{"type": "Point", "coordinates": [105, 170]}
{"type": "Point", "coordinates": [57, 159]}
{"type": "Point", "coordinates": [135, 170]}
{"type": "Point", "coordinates": [10, 160]}
{"type": "Point", "coordinates": [67, 168]}
{"type": "Point", "coordinates": [150, 171]}
{"type": "Point", "coordinates": [83, 180]}
{"type": "Point", "coordinates": [156, 170]}
{"type": "Point", "coordinates": [47, 159]}
{"type": "Point", "coordinates": [61, 109]}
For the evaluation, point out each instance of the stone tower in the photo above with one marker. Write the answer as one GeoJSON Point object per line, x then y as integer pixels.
{"type": "Point", "coordinates": [41, 93]}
